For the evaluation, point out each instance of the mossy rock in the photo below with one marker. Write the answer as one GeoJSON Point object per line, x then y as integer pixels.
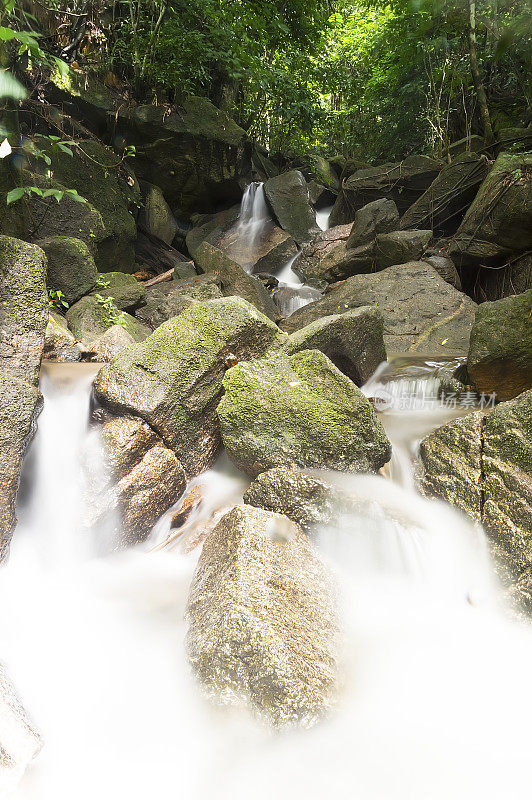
{"type": "Point", "coordinates": [173, 380]}
{"type": "Point", "coordinates": [167, 300]}
{"type": "Point", "coordinates": [299, 410]}
{"type": "Point", "coordinates": [89, 318]}
{"type": "Point", "coordinates": [71, 267]}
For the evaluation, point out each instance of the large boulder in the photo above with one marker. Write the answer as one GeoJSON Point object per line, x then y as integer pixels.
{"type": "Point", "coordinates": [23, 308]}
{"type": "Point", "coordinates": [92, 316]}
{"type": "Point", "coordinates": [445, 267]}
{"type": "Point", "coordinates": [442, 206]}
{"type": "Point", "coordinates": [499, 220]}
{"type": "Point", "coordinates": [299, 410]}
{"type": "Point", "coordinates": [109, 344]}
{"type": "Point", "coordinates": [421, 311]}
{"type": "Point", "coordinates": [156, 216]}
{"type": "Point", "coordinates": [342, 262]}
{"type": "Point", "coordinates": [353, 341]}
{"type": "Point", "coordinates": [399, 247]}
{"type": "Point", "coordinates": [315, 251]}
{"type": "Point", "coordinates": [262, 619]}
{"type": "Point", "coordinates": [71, 267]}
{"type": "Point", "coordinates": [288, 197]}
{"type": "Point", "coordinates": [235, 281]}
{"type": "Point", "coordinates": [124, 290]}
{"type": "Point", "coordinates": [380, 216]}
{"type": "Point", "coordinates": [500, 349]}
{"type": "Point", "coordinates": [267, 252]}
{"type": "Point", "coordinates": [167, 300]}
{"type": "Point", "coordinates": [195, 154]}
{"type": "Point", "coordinates": [173, 380]}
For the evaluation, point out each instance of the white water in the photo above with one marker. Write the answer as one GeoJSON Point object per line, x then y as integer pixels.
{"type": "Point", "coordinates": [437, 698]}
{"type": "Point", "coordinates": [254, 217]}
{"type": "Point", "coordinates": [322, 218]}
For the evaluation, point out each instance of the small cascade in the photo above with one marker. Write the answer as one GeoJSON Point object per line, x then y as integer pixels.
{"type": "Point", "coordinates": [290, 298]}
{"type": "Point", "coordinates": [254, 218]}
{"type": "Point", "coordinates": [322, 218]}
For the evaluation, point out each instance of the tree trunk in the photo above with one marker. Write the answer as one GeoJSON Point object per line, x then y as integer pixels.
{"type": "Point", "coordinates": [477, 79]}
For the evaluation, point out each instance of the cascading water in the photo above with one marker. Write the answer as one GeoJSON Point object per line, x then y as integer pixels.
{"type": "Point", "coordinates": [254, 218]}
{"type": "Point", "coordinates": [436, 678]}
{"type": "Point", "coordinates": [322, 218]}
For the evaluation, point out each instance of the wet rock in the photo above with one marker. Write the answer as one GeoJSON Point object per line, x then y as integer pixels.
{"type": "Point", "coordinates": [399, 247]}
{"type": "Point", "coordinates": [451, 192]}
{"type": "Point", "coordinates": [287, 195]}
{"type": "Point", "coordinates": [167, 300]}
{"type": "Point", "coordinates": [290, 298]}
{"type": "Point", "coordinates": [353, 341]}
{"type": "Point", "coordinates": [298, 410]}
{"type": "Point", "coordinates": [262, 619]}
{"type": "Point", "coordinates": [173, 380]}
{"type": "Point", "coordinates": [156, 217]}
{"type": "Point", "coordinates": [267, 253]}
{"type": "Point", "coordinates": [190, 503]}
{"type": "Point", "coordinates": [71, 268]}
{"type": "Point", "coordinates": [421, 311]}
{"type": "Point", "coordinates": [91, 316]}
{"type": "Point", "coordinates": [342, 262]}
{"type": "Point", "coordinates": [23, 308]}
{"type": "Point", "coordinates": [107, 346]}
{"type": "Point", "coordinates": [20, 741]}
{"type": "Point", "coordinates": [446, 268]}
{"type": "Point", "coordinates": [235, 281]}
{"type": "Point", "coordinates": [59, 343]}
{"type": "Point", "coordinates": [380, 216]}
{"type": "Point", "coordinates": [324, 243]}
{"type": "Point", "coordinates": [126, 441]}
{"type": "Point", "coordinates": [499, 220]}
{"type": "Point", "coordinates": [500, 348]}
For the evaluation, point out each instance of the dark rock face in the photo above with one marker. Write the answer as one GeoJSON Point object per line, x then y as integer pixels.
{"type": "Point", "coordinates": [500, 348]}
{"type": "Point", "coordinates": [444, 202]}
{"type": "Point", "coordinates": [342, 262]}
{"type": "Point", "coordinates": [298, 410]}
{"type": "Point", "coordinates": [71, 267]}
{"type": "Point", "coordinates": [173, 380]}
{"type": "Point", "coordinates": [499, 220]}
{"type": "Point", "coordinates": [399, 247]}
{"type": "Point", "coordinates": [445, 267]}
{"type": "Point", "coordinates": [23, 308]}
{"type": "Point", "coordinates": [324, 243]}
{"type": "Point", "coordinates": [287, 195]}
{"type": "Point", "coordinates": [156, 217]}
{"type": "Point", "coordinates": [196, 154]}
{"type": "Point", "coordinates": [380, 216]}
{"type": "Point", "coordinates": [514, 278]}
{"type": "Point", "coordinates": [421, 311]}
{"type": "Point", "coordinates": [353, 341]}
{"type": "Point", "coordinates": [245, 642]}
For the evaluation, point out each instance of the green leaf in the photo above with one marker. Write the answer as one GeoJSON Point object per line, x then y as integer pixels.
{"type": "Point", "coordinates": [10, 87]}
{"type": "Point", "coordinates": [15, 194]}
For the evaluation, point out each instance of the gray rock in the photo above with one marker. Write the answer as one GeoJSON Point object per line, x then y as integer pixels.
{"type": "Point", "coordinates": [156, 217]}
{"type": "Point", "coordinates": [126, 441]}
{"type": "Point", "coordinates": [399, 247]}
{"type": "Point", "coordinates": [245, 643]}
{"type": "Point", "coordinates": [287, 195]}
{"type": "Point", "coordinates": [71, 267]}
{"type": "Point", "coordinates": [90, 317]}
{"type": "Point", "coordinates": [380, 216]}
{"type": "Point", "coordinates": [107, 346]}
{"type": "Point", "coordinates": [59, 343]}
{"type": "Point", "coordinates": [167, 300]}
{"type": "Point", "coordinates": [313, 253]}
{"type": "Point", "coordinates": [446, 268]}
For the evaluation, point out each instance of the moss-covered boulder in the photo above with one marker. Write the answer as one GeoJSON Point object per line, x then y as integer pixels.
{"type": "Point", "coordinates": [92, 316]}
{"type": "Point", "coordinates": [353, 341]}
{"type": "Point", "coordinates": [500, 349]}
{"type": "Point", "coordinates": [262, 619]}
{"type": "Point", "coordinates": [299, 410]}
{"type": "Point", "coordinates": [499, 220]}
{"type": "Point", "coordinates": [399, 247]}
{"type": "Point", "coordinates": [156, 216]}
{"type": "Point", "coordinates": [71, 267]}
{"type": "Point", "coordinates": [421, 311]}
{"type": "Point", "coordinates": [126, 293]}
{"type": "Point", "coordinates": [235, 281]}
{"type": "Point", "coordinates": [380, 216]}
{"type": "Point", "coordinates": [173, 380]}
{"type": "Point", "coordinates": [23, 308]}
{"type": "Point", "coordinates": [167, 300]}
{"type": "Point", "coordinates": [288, 197]}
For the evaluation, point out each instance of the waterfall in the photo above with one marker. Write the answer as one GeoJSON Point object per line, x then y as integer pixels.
{"type": "Point", "coordinates": [254, 217]}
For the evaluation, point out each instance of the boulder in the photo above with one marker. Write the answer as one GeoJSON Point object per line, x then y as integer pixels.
{"type": "Point", "coordinates": [324, 243]}
{"type": "Point", "coordinates": [353, 341]}
{"type": "Point", "coordinates": [20, 403]}
{"type": "Point", "coordinates": [380, 216]}
{"type": "Point", "coordinates": [442, 206]}
{"type": "Point", "coordinates": [126, 441]}
{"type": "Point", "coordinates": [156, 217]}
{"type": "Point", "coordinates": [317, 168]}
{"type": "Point", "coordinates": [266, 253]}
{"type": "Point", "coordinates": [289, 298]}
{"type": "Point", "coordinates": [500, 349]}
{"type": "Point", "coordinates": [421, 311]}
{"type": "Point", "coordinates": [513, 278]}
{"type": "Point", "coordinates": [287, 194]}
{"type": "Point", "coordinates": [173, 380]}
{"type": "Point", "coordinates": [399, 247]}
{"type": "Point", "coordinates": [71, 267]}
{"type": "Point", "coordinates": [107, 346]}
{"type": "Point", "coordinates": [262, 619]}
{"type": "Point", "coordinates": [195, 154]}
{"type": "Point", "coordinates": [342, 262]}
{"type": "Point", "coordinates": [126, 293]}
{"type": "Point", "coordinates": [298, 410]}
{"type": "Point", "coordinates": [445, 268]}
{"type": "Point", "coordinates": [23, 308]}
{"type": "Point", "coordinates": [499, 220]}
{"type": "Point", "coordinates": [469, 144]}
{"type": "Point", "coordinates": [92, 316]}
{"type": "Point", "coordinates": [515, 139]}
{"type": "Point", "coordinates": [167, 300]}
{"type": "Point", "coordinates": [20, 740]}
{"type": "Point", "coordinates": [211, 228]}
{"type": "Point", "coordinates": [59, 343]}
{"type": "Point", "coordinates": [235, 281]}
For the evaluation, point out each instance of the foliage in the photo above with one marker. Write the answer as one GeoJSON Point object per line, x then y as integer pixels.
{"type": "Point", "coordinates": [111, 313]}
{"type": "Point", "coordinates": [56, 300]}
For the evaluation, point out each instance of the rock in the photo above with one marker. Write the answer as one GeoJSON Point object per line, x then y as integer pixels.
{"type": "Point", "coordinates": [287, 195]}
{"type": "Point", "coordinates": [500, 349]}
{"type": "Point", "coordinates": [124, 290]}
{"type": "Point", "coordinates": [267, 253]}
{"type": "Point", "coordinates": [20, 403]}
{"type": "Point", "coordinates": [298, 410]}
{"type": "Point", "coordinates": [400, 246]}
{"type": "Point", "coordinates": [195, 154]}
{"type": "Point", "coordinates": [469, 144]}
{"type": "Point", "coordinates": [380, 216]}
{"type": "Point", "coordinates": [451, 458]}
{"type": "Point", "coordinates": [421, 311]}
{"type": "Point", "coordinates": [262, 619]}
{"type": "Point", "coordinates": [20, 741]}
{"type": "Point", "coordinates": [317, 168]}
{"type": "Point", "coordinates": [514, 278]}
{"type": "Point", "coordinates": [319, 195]}
{"type": "Point", "coordinates": [12, 221]}
{"type": "Point", "coordinates": [499, 220]}
{"type": "Point", "coordinates": [167, 300]}
{"type": "Point", "coordinates": [341, 263]}
{"type": "Point", "coordinates": [90, 317]}
{"type": "Point", "coordinates": [289, 298]}
{"type": "Point", "coordinates": [324, 243]}
{"type": "Point", "coordinates": [445, 268]}
{"type": "Point", "coordinates": [515, 139]}
{"type": "Point", "coordinates": [235, 281]}
{"type": "Point", "coordinates": [442, 205]}
{"type": "Point", "coordinates": [59, 343]}
{"type": "Point", "coordinates": [107, 346]}
{"type": "Point", "coordinates": [353, 341]}
{"type": "Point", "coordinates": [211, 228]}
{"type": "Point", "coordinates": [156, 217]}
{"type": "Point", "coordinates": [190, 503]}
{"type": "Point", "coordinates": [71, 267]}
{"type": "Point", "coordinates": [173, 380]}
{"type": "Point", "coordinates": [23, 308]}
{"type": "Point", "coordinates": [126, 441]}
